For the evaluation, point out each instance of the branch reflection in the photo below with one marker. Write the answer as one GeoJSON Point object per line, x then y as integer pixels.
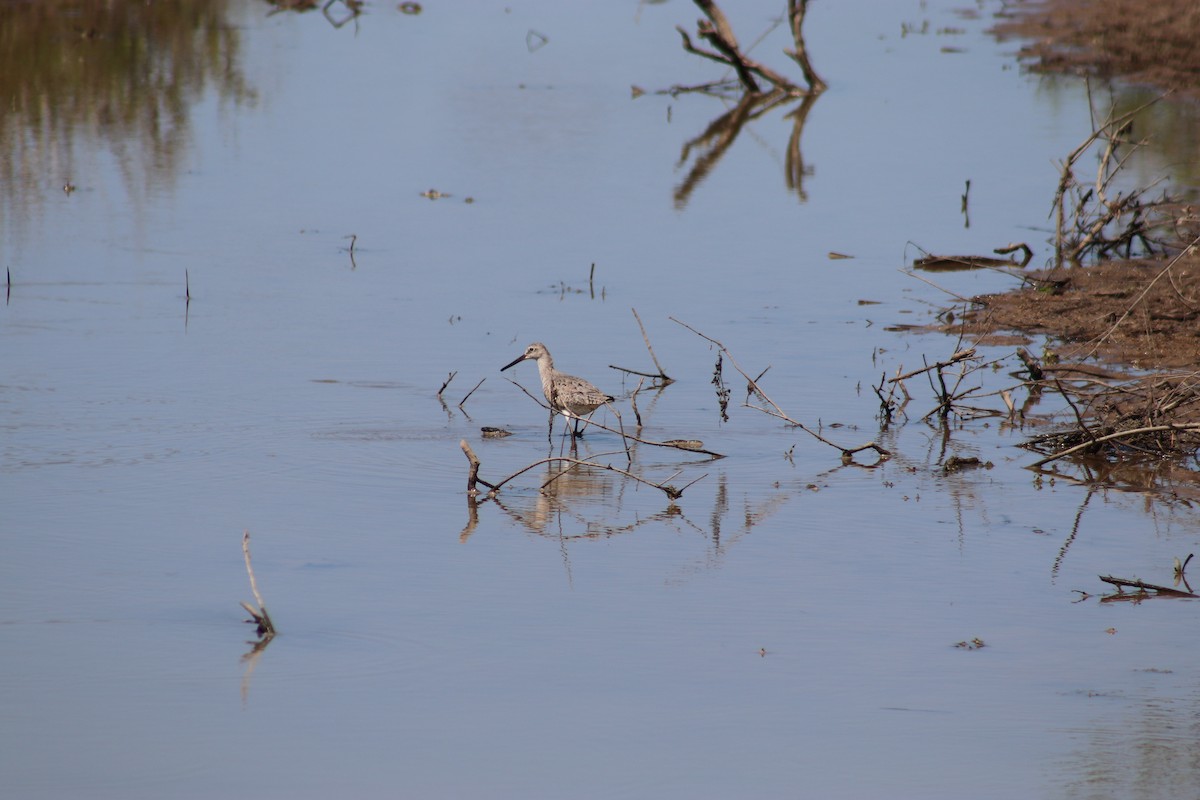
{"type": "Point", "coordinates": [710, 146]}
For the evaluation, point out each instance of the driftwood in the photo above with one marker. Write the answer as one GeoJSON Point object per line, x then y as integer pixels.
{"type": "Point", "coordinates": [1143, 587]}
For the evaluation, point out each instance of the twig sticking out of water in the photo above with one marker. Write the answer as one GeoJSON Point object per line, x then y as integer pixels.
{"type": "Point", "coordinates": [687, 445]}
{"type": "Point", "coordinates": [468, 397]}
{"type": "Point", "coordinates": [266, 628]}
{"type": "Point", "coordinates": [776, 411]}
{"type": "Point", "coordinates": [717, 31]}
{"type": "Point", "coordinates": [662, 377]}
{"type": "Point", "coordinates": [473, 475]}
{"type": "Point", "coordinates": [1036, 373]}
{"type": "Point", "coordinates": [446, 383]}
{"type": "Point", "coordinates": [637, 414]}
{"type": "Point", "coordinates": [718, 381]}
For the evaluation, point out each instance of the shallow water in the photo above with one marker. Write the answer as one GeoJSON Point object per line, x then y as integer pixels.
{"type": "Point", "coordinates": [787, 628]}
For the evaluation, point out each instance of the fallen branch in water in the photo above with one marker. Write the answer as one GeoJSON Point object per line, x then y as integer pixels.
{"type": "Point", "coordinates": [266, 628]}
{"type": "Point", "coordinates": [687, 445]}
{"type": "Point", "coordinates": [775, 411]}
{"type": "Point", "coordinates": [1192, 426]}
{"type": "Point", "coordinates": [1163, 591]}
{"type": "Point", "coordinates": [961, 355]}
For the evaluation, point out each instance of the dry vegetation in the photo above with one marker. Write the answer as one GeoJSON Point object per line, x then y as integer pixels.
{"type": "Point", "coordinates": [1114, 320]}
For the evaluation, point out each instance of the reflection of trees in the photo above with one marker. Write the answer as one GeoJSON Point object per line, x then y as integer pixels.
{"type": "Point", "coordinates": [723, 131]}
{"type": "Point", "coordinates": [122, 73]}
{"type": "Point", "coordinates": [754, 103]}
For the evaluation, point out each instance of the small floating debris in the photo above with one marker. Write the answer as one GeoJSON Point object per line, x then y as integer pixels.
{"type": "Point", "coordinates": [973, 644]}
{"type": "Point", "coordinates": [535, 41]}
{"type": "Point", "coordinates": [957, 464]}
{"type": "Point", "coordinates": [434, 194]}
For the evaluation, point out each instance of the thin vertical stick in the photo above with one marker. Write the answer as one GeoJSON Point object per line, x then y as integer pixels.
{"type": "Point", "coordinates": [265, 626]}
{"type": "Point", "coordinates": [468, 397]}
{"type": "Point", "coordinates": [654, 358]}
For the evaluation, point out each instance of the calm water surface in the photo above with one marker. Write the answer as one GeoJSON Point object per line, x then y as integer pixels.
{"type": "Point", "coordinates": [787, 629]}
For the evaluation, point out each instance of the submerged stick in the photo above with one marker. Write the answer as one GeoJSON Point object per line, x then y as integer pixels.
{"type": "Point", "coordinates": [265, 626]}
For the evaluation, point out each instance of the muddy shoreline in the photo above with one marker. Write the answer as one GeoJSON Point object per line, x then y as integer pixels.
{"type": "Point", "coordinates": [1140, 42]}
{"type": "Point", "coordinates": [1116, 337]}
{"type": "Point", "coordinates": [1135, 312]}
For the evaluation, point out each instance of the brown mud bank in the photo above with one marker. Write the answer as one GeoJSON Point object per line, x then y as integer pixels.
{"type": "Point", "coordinates": [1117, 338]}
{"type": "Point", "coordinates": [1109, 356]}
{"type": "Point", "coordinates": [1146, 42]}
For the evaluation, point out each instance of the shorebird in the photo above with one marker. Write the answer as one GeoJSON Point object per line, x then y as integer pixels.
{"type": "Point", "coordinates": [570, 396]}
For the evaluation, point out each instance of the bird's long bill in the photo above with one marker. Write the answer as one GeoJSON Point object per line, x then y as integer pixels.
{"type": "Point", "coordinates": [514, 362]}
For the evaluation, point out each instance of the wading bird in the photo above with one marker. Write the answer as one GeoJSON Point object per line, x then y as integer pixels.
{"type": "Point", "coordinates": [568, 395]}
